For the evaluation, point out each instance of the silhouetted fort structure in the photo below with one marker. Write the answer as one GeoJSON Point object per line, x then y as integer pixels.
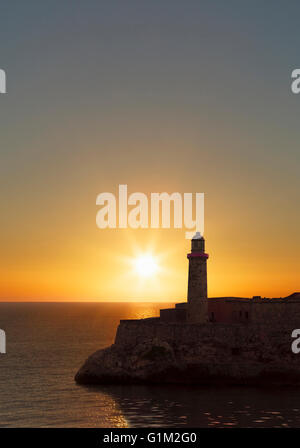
{"type": "Point", "coordinates": [217, 340]}
{"type": "Point", "coordinates": [200, 309]}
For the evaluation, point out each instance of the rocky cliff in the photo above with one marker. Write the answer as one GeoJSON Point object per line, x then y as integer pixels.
{"type": "Point", "coordinates": [149, 351]}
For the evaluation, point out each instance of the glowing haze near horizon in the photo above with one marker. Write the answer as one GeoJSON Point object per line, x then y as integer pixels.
{"type": "Point", "coordinates": [163, 96]}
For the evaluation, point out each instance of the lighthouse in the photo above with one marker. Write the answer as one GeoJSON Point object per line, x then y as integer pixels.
{"type": "Point", "coordinates": [197, 281]}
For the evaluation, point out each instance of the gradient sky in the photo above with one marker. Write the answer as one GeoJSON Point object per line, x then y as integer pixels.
{"type": "Point", "coordinates": [187, 96]}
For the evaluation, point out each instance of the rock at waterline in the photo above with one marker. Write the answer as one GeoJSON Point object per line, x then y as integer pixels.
{"type": "Point", "coordinates": [157, 361]}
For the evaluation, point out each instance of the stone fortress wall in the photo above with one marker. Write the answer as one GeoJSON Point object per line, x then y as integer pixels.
{"type": "Point", "coordinates": [228, 338]}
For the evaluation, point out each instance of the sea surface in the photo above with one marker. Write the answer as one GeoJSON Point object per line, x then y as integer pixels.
{"type": "Point", "coordinates": [48, 342]}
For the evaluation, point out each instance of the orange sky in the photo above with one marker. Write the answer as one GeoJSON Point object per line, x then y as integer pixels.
{"type": "Point", "coordinates": [93, 264]}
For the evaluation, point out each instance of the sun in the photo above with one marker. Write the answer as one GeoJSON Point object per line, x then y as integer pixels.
{"type": "Point", "coordinates": [146, 265]}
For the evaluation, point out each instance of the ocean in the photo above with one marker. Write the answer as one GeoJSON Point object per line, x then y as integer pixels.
{"type": "Point", "coordinates": [48, 342]}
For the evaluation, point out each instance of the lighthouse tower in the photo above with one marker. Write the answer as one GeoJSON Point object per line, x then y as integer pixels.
{"type": "Point", "coordinates": [197, 282]}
